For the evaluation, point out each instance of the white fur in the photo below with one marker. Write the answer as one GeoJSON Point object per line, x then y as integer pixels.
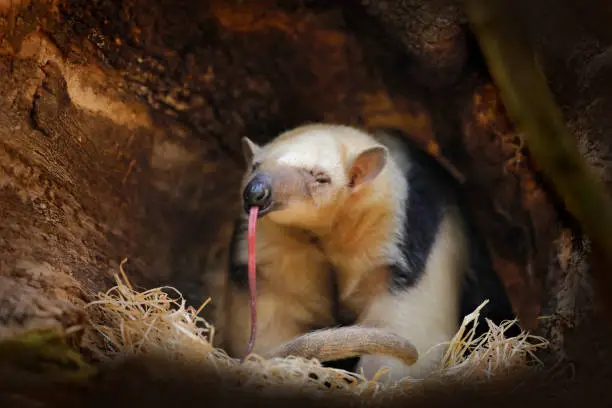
{"type": "Point", "coordinates": [426, 313]}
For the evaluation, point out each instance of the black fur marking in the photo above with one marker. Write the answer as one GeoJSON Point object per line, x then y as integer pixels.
{"type": "Point", "coordinates": [432, 189]}
{"type": "Point", "coordinates": [429, 194]}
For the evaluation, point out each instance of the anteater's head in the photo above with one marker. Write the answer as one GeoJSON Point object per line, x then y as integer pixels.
{"type": "Point", "coordinates": [307, 175]}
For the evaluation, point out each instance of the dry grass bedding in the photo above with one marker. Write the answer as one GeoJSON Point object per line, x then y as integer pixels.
{"type": "Point", "coordinates": [158, 320]}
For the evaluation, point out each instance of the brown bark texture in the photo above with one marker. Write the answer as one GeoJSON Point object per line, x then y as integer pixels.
{"type": "Point", "coordinates": [121, 120]}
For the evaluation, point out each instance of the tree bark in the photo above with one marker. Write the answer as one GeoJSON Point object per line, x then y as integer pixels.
{"type": "Point", "coordinates": [120, 125]}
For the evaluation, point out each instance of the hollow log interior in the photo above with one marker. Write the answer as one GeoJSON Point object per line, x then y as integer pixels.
{"type": "Point", "coordinates": [120, 128]}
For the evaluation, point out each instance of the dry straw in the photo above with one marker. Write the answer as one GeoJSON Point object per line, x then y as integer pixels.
{"type": "Point", "coordinates": [154, 321]}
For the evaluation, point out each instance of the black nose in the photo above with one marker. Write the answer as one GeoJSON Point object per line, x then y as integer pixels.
{"type": "Point", "coordinates": [258, 193]}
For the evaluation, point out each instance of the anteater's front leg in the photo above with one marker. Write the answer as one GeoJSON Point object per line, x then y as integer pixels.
{"type": "Point", "coordinates": [279, 320]}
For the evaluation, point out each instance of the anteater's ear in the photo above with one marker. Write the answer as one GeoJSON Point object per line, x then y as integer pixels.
{"type": "Point", "coordinates": [367, 165]}
{"type": "Point", "coordinates": [249, 149]}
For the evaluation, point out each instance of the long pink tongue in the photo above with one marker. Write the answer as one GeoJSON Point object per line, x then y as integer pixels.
{"type": "Point", "coordinates": [252, 271]}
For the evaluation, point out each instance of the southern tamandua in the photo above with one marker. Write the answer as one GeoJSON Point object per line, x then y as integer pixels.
{"type": "Point", "coordinates": [377, 217]}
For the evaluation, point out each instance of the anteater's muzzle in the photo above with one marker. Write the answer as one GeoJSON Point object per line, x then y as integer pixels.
{"type": "Point", "coordinates": [258, 192]}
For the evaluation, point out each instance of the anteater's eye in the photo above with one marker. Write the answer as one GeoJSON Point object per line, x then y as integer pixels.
{"type": "Point", "coordinates": [255, 166]}
{"type": "Point", "coordinates": [320, 178]}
